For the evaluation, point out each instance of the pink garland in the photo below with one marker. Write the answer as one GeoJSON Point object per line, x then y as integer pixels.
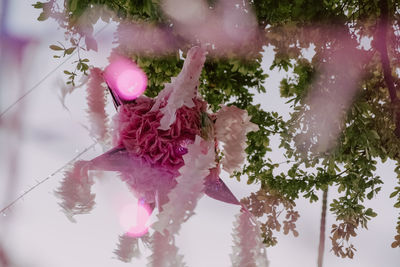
{"type": "Point", "coordinates": [231, 128]}
{"type": "Point", "coordinates": [96, 99]}
{"type": "Point", "coordinates": [248, 249]}
{"type": "Point", "coordinates": [183, 198]}
{"type": "Point", "coordinates": [75, 191]}
{"type": "Point", "coordinates": [182, 89]}
{"type": "Point", "coordinates": [182, 201]}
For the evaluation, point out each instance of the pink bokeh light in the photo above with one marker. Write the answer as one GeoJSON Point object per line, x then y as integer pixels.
{"type": "Point", "coordinates": [133, 219]}
{"type": "Point", "coordinates": [125, 78]}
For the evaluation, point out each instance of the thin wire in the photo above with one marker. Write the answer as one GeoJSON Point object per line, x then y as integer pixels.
{"type": "Point", "coordinates": [35, 86]}
{"type": "Point", "coordinates": [44, 78]}
{"type": "Point", "coordinates": [47, 178]}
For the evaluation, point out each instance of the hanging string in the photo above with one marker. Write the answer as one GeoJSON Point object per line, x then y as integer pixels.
{"type": "Point", "coordinates": [3, 210]}
{"type": "Point", "coordinates": [33, 88]}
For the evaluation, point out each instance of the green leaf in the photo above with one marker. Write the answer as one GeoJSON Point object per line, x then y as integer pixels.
{"type": "Point", "coordinates": [73, 5]}
{"type": "Point", "coordinates": [38, 5]}
{"type": "Point", "coordinates": [69, 50]}
{"type": "Point", "coordinates": [43, 16]}
{"type": "Point", "coordinates": [393, 194]}
{"type": "Point", "coordinates": [56, 47]}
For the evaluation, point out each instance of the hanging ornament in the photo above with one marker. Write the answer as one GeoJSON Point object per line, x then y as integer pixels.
{"type": "Point", "coordinates": [166, 150]}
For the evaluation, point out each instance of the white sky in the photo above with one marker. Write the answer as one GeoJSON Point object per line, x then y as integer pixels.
{"type": "Point", "coordinates": [36, 233]}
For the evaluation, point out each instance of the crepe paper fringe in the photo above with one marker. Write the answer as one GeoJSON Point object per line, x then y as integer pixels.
{"type": "Point", "coordinates": [231, 128]}
{"type": "Point", "coordinates": [128, 247]}
{"type": "Point", "coordinates": [248, 249]}
{"type": "Point", "coordinates": [190, 187]}
{"type": "Point", "coordinates": [136, 129]}
{"type": "Point", "coordinates": [74, 191]}
{"type": "Point", "coordinates": [165, 252]}
{"type": "Point", "coordinates": [96, 99]}
{"type": "Point", "coordinates": [182, 89]}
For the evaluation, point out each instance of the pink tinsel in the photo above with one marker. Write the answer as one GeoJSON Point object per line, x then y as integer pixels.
{"type": "Point", "coordinates": [96, 99]}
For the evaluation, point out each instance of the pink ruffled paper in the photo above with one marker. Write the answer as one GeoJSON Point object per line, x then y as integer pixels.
{"type": "Point", "coordinates": [231, 128]}
{"type": "Point", "coordinates": [182, 89]}
{"type": "Point", "coordinates": [137, 129]}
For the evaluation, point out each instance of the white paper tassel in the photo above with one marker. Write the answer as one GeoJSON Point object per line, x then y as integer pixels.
{"type": "Point", "coordinates": [248, 249]}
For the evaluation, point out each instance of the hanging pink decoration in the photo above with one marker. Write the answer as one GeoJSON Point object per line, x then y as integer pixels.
{"type": "Point", "coordinates": [165, 149]}
{"type": "Point", "coordinates": [231, 128]}
{"type": "Point", "coordinates": [248, 249]}
{"type": "Point", "coordinates": [125, 78]}
{"type": "Point", "coordinates": [96, 99]}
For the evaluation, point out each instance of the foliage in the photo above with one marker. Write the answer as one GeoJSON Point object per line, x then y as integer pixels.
{"type": "Point", "coordinates": [367, 127]}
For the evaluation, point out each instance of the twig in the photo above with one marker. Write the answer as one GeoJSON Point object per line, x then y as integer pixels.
{"type": "Point", "coordinates": [321, 246]}
{"type": "Point", "coordinates": [33, 88]}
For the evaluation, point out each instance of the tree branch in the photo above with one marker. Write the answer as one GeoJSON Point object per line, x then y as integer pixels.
{"type": "Point", "coordinates": [321, 246]}
{"type": "Point", "coordinates": [381, 45]}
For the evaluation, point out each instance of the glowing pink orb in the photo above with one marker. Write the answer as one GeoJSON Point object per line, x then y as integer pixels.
{"type": "Point", "coordinates": [125, 78]}
{"type": "Point", "coordinates": [133, 219]}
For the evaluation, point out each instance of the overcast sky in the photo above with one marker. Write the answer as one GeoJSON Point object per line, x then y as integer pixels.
{"type": "Point", "coordinates": [36, 233]}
